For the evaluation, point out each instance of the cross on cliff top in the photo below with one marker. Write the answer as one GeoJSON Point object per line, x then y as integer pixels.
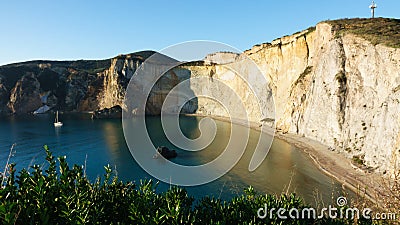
{"type": "Point", "coordinates": [372, 7]}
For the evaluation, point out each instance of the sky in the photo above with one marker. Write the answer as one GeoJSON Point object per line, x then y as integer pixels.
{"type": "Point", "coordinates": [76, 29]}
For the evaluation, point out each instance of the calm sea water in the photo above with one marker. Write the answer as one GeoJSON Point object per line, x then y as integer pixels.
{"type": "Point", "coordinates": [101, 142]}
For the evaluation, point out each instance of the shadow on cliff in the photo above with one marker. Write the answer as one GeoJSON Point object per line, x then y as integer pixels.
{"type": "Point", "coordinates": [183, 100]}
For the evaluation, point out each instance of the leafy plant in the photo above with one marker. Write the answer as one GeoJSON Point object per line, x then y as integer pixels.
{"type": "Point", "coordinates": [60, 194]}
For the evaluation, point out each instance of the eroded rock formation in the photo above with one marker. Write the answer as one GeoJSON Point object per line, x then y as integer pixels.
{"type": "Point", "coordinates": [25, 96]}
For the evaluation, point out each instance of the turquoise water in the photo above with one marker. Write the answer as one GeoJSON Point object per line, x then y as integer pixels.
{"type": "Point", "coordinates": [101, 142]}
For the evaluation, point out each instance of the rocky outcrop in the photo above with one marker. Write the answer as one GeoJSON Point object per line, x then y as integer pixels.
{"type": "Point", "coordinates": [116, 79]}
{"type": "Point", "coordinates": [25, 96]}
{"type": "Point", "coordinates": [221, 58]}
{"type": "Point", "coordinates": [108, 113]}
{"type": "Point", "coordinates": [166, 152]}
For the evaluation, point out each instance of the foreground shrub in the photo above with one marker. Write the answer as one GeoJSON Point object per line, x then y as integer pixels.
{"type": "Point", "coordinates": [67, 196]}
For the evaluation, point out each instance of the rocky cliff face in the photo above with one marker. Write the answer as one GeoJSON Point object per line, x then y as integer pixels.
{"type": "Point", "coordinates": [25, 95]}
{"type": "Point", "coordinates": [116, 79]}
{"type": "Point", "coordinates": [346, 97]}
{"type": "Point", "coordinates": [84, 85]}
{"type": "Point", "coordinates": [4, 97]}
{"type": "Point", "coordinates": [337, 88]}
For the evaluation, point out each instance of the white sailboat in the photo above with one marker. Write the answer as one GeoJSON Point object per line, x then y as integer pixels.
{"type": "Point", "coordinates": [57, 123]}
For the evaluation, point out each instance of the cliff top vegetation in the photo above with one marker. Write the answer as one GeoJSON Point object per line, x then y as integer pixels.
{"type": "Point", "coordinates": [384, 31]}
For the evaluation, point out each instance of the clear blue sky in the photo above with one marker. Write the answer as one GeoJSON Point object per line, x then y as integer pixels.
{"type": "Point", "coordinates": [78, 29]}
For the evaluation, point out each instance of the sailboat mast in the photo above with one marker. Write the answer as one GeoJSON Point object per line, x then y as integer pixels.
{"type": "Point", "coordinates": [57, 123]}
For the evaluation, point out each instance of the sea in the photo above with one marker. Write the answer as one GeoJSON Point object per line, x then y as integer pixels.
{"type": "Point", "coordinates": [98, 143]}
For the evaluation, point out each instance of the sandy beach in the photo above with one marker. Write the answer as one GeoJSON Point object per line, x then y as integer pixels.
{"type": "Point", "coordinates": [337, 166]}
{"type": "Point", "coordinates": [330, 162]}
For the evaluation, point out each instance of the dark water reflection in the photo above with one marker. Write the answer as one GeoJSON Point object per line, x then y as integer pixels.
{"type": "Point", "coordinates": [101, 142]}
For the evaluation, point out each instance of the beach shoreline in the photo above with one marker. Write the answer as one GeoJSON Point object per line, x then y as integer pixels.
{"type": "Point", "coordinates": [332, 163]}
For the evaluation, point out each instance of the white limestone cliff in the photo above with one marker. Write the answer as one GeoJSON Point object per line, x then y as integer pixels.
{"type": "Point", "coordinates": [340, 90]}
